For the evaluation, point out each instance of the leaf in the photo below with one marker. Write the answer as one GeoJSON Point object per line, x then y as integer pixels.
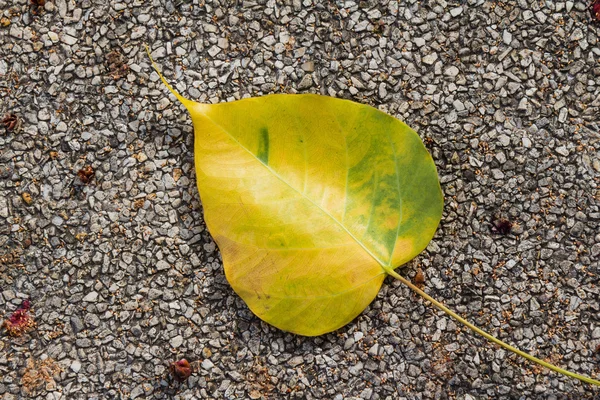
{"type": "Point", "coordinates": [313, 201]}
{"type": "Point", "coordinates": [310, 199]}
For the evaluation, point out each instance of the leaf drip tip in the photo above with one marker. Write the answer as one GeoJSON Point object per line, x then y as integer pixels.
{"type": "Point", "coordinates": [187, 103]}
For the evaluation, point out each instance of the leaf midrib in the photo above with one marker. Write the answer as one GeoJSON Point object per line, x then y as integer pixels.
{"type": "Point", "coordinates": [383, 265]}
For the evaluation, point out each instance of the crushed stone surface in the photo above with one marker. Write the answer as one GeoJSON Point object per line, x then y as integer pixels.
{"type": "Point", "coordinates": [124, 277]}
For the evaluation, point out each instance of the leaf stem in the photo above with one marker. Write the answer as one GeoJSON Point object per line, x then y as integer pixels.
{"type": "Point", "coordinates": [187, 103]}
{"type": "Point", "coordinates": [499, 342]}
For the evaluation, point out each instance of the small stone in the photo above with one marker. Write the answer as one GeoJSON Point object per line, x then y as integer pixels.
{"type": "Point", "coordinates": [562, 150]}
{"type": "Point", "coordinates": [16, 32]}
{"type": "Point", "coordinates": [507, 37]}
{"type": "Point", "coordinates": [523, 104]}
{"type": "Point", "coordinates": [223, 43]}
{"type": "Point", "coordinates": [207, 365]}
{"type": "Point", "coordinates": [137, 392]}
{"type": "Point", "coordinates": [162, 265]}
{"type": "Point", "coordinates": [295, 361]}
{"type": "Point", "coordinates": [569, 6]}
{"type": "Point", "coordinates": [214, 50]}
{"type": "Point", "coordinates": [455, 12]}
{"type": "Point", "coordinates": [382, 90]}
{"type": "Point", "coordinates": [75, 366]}
{"type": "Point", "coordinates": [68, 39]}
{"type": "Point", "coordinates": [176, 341]}
{"type": "Point", "coordinates": [53, 36]}
{"type": "Point", "coordinates": [306, 82]}
{"type": "Point", "coordinates": [76, 324]}
{"type": "Point", "coordinates": [499, 116]}
{"type": "Point", "coordinates": [44, 115]}
{"type": "Point", "coordinates": [504, 140]}
{"type": "Point", "coordinates": [308, 66]}
{"type": "Point", "coordinates": [430, 59]}
{"type": "Point", "coordinates": [91, 297]}
{"type": "Point", "coordinates": [451, 71]}
{"type": "Point", "coordinates": [138, 32]}
{"type": "Point", "coordinates": [577, 34]}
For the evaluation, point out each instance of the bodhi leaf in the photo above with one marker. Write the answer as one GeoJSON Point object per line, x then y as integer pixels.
{"type": "Point", "coordinates": [313, 201]}
{"type": "Point", "coordinates": [310, 199]}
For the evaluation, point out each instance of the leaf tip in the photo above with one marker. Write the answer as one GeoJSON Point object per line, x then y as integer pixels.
{"type": "Point", "coordinates": [187, 103]}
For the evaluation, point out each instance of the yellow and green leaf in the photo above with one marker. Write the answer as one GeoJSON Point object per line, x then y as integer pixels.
{"type": "Point", "coordinates": [312, 201]}
{"type": "Point", "coordinates": [310, 198]}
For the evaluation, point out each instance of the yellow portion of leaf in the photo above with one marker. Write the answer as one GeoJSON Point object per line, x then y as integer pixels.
{"type": "Point", "coordinates": [308, 197]}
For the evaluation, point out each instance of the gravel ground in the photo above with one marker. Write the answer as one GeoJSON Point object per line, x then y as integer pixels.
{"type": "Point", "coordinates": [123, 276]}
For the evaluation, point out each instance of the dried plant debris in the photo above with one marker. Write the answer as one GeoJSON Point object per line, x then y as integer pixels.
{"type": "Point", "coordinates": [419, 279]}
{"type": "Point", "coordinates": [85, 174]}
{"type": "Point", "coordinates": [26, 196]}
{"type": "Point", "coordinates": [11, 258]}
{"type": "Point", "coordinates": [37, 6]}
{"type": "Point", "coordinates": [20, 321]}
{"type": "Point", "coordinates": [39, 374]}
{"type": "Point", "coordinates": [180, 370]}
{"type": "Point", "coordinates": [596, 10]}
{"type": "Point", "coordinates": [117, 64]}
{"type": "Point", "coordinates": [11, 122]}
{"type": "Point", "coordinates": [502, 226]}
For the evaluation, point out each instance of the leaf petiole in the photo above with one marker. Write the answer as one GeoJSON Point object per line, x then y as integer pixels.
{"type": "Point", "coordinates": [491, 338]}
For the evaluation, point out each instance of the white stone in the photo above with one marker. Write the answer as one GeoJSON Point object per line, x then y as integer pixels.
{"type": "Point", "coordinates": [75, 366]}
{"type": "Point", "coordinates": [455, 12]}
{"type": "Point", "coordinates": [68, 39]}
{"type": "Point", "coordinates": [429, 59]}
{"type": "Point", "coordinates": [91, 297]}
{"type": "Point", "coordinates": [562, 150]}
{"type": "Point", "coordinates": [451, 71]}
{"type": "Point", "coordinates": [138, 32]}
{"type": "Point", "coordinates": [506, 37]}
{"type": "Point", "coordinates": [176, 341]}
